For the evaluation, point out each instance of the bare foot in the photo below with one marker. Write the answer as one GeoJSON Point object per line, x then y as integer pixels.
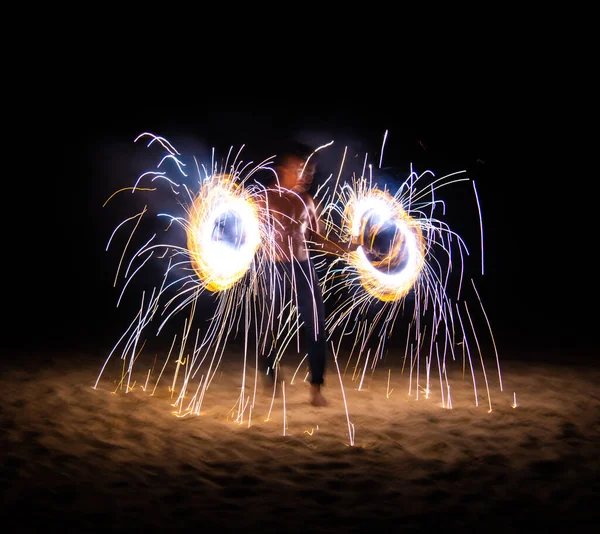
{"type": "Point", "coordinates": [316, 397]}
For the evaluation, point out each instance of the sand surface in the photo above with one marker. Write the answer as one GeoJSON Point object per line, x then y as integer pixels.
{"type": "Point", "coordinates": [385, 455]}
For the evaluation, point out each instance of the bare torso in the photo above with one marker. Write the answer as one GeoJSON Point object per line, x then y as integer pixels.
{"type": "Point", "coordinates": [294, 220]}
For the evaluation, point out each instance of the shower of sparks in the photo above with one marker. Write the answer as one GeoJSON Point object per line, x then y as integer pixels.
{"type": "Point", "coordinates": [409, 265]}
{"type": "Point", "coordinates": [402, 272]}
{"type": "Point", "coordinates": [222, 254]}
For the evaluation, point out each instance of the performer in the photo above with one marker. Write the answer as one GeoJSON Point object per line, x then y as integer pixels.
{"type": "Point", "coordinates": [297, 229]}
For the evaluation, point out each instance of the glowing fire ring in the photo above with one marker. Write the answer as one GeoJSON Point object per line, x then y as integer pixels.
{"type": "Point", "coordinates": [392, 254]}
{"type": "Point", "coordinates": [223, 233]}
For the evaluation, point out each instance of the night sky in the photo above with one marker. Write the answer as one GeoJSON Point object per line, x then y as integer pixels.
{"type": "Point", "coordinates": [61, 284]}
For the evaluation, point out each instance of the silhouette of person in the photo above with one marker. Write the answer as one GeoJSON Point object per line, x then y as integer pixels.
{"type": "Point", "coordinates": [296, 230]}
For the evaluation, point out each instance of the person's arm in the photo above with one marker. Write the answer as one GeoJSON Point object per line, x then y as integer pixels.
{"type": "Point", "coordinates": [327, 244]}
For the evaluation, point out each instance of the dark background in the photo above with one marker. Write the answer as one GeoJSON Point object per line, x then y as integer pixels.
{"type": "Point", "coordinates": [60, 282]}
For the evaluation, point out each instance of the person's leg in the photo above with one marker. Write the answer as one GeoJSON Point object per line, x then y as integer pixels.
{"type": "Point", "coordinates": [312, 313]}
{"type": "Point", "coordinates": [275, 291]}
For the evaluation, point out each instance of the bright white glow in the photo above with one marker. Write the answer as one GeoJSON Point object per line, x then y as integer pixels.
{"type": "Point", "coordinates": [218, 263]}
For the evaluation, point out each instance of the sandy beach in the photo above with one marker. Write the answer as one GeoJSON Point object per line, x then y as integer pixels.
{"type": "Point", "coordinates": [386, 455]}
